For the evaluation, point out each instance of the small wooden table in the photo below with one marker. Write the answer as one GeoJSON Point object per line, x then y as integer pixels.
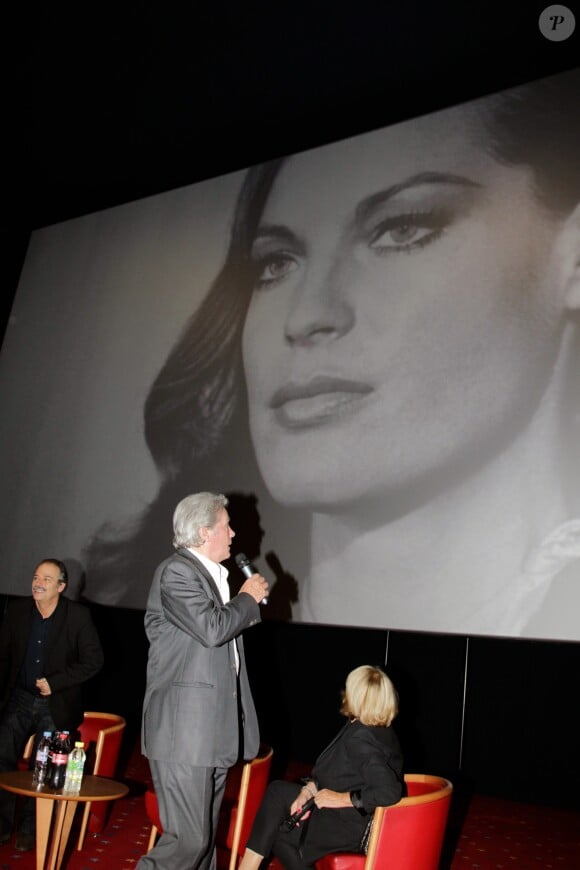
{"type": "Point", "coordinates": [93, 788]}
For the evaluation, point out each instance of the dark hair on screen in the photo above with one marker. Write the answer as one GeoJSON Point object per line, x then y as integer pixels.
{"type": "Point", "coordinates": [192, 400]}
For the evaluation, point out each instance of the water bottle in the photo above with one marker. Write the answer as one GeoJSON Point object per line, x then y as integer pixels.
{"type": "Point", "coordinates": [74, 769]}
{"type": "Point", "coordinates": [41, 760]}
{"type": "Point", "coordinates": [58, 760]}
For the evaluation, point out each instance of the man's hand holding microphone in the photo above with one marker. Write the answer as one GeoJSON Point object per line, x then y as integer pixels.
{"type": "Point", "coordinates": [255, 585]}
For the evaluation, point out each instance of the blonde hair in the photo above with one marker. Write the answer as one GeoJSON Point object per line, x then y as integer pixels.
{"type": "Point", "coordinates": [370, 697]}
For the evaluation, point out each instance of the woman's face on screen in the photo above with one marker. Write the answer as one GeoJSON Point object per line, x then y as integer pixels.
{"type": "Point", "coordinates": [403, 323]}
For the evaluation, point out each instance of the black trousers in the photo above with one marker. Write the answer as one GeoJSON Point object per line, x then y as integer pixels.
{"type": "Point", "coordinates": [25, 714]}
{"type": "Point", "coordinates": [267, 838]}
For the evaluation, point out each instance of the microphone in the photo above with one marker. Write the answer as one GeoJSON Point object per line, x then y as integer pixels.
{"type": "Point", "coordinates": [245, 567]}
{"type": "Point", "coordinates": [290, 823]}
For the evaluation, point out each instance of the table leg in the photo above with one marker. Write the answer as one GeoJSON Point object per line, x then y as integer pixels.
{"type": "Point", "coordinates": [67, 809]}
{"type": "Point", "coordinates": [43, 818]}
{"type": "Point", "coordinates": [56, 832]}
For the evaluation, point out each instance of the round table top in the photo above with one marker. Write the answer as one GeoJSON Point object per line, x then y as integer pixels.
{"type": "Point", "coordinates": [93, 788]}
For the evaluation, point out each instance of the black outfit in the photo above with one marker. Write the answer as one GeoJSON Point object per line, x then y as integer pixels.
{"type": "Point", "coordinates": [65, 649]}
{"type": "Point", "coordinates": [362, 759]}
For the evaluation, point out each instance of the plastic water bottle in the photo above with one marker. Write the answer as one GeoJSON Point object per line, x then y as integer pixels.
{"type": "Point", "coordinates": [75, 768]}
{"type": "Point", "coordinates": [58, 760]}
{"type": "Point", "coordinates": [41, 760]}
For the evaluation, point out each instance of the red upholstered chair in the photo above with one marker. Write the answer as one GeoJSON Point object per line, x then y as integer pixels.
{"type": "Point", "coordinates": [246, 784]}
{"type": "Point", "coordinates": [405, 836]}
{"type": "Point", "coordinates": [152, 810]}
{"type": "Point", "coordinates": [255, 776]}
{"type": "Point", "coordinates": [102, 734]}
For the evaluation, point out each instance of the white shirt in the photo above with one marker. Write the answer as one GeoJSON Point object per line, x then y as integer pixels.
{"type": "Point", "coordinates": [220, 575]}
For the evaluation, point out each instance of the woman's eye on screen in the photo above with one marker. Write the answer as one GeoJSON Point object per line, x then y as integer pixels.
{"type": "Point", "coordinates": [403, 232]}
{"type": "Point", "coordinates": [272, 268]}
{"type": "Point", "coordinates": [407, 232]}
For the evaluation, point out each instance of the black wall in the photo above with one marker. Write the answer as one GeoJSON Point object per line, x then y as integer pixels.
{"type": "Point", "coordinates": [497, 717]}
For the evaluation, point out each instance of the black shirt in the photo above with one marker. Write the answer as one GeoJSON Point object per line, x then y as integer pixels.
{"type": "Point", "coordinates": [33, 665]}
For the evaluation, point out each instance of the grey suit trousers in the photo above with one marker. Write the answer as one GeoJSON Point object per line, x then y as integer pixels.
{"type": "Point", "coordinates": [196, 797]}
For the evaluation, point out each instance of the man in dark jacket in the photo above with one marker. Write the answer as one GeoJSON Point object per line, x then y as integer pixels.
{"type": "Point", "coordinates": [48, 648]}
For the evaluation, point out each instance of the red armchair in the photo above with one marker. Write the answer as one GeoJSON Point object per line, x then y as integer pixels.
{"type": "Point", "coordinates": [102, 734]}
{"type": "Point", "coordinates": [405, 836]}
{"type": "Point", "coordinates": [255, 777]}
{"type": "Point", "coordinates": [152, 810]}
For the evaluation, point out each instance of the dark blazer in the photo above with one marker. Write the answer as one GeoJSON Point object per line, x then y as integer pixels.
{"type": "Point", "coordinates": [190, 711]}
{"type": "Point", "coordinates": [361, 758]}
{"type": "Point", "coordinates": [73, 655]}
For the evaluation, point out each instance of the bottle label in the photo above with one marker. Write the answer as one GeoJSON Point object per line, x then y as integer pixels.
{"type": "Point", "coordinates": [59, 758]}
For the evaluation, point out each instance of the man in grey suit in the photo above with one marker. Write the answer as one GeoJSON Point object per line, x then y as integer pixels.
{"type": "Point", "coordinates": [198, 713]}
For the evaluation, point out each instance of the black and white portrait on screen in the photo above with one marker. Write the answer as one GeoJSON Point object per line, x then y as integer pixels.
{"type": "Point", "coordinates": [378, 339]}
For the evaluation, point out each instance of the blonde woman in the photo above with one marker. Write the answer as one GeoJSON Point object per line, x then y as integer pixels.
{"type": "Point", "coordinates": [362, 768]}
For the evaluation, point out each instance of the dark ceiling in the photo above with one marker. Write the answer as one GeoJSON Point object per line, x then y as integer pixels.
{"type": "Point", "coordinates": [103, 106]}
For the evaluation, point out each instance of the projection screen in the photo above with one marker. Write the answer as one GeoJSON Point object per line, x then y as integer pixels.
{"type": "Point", "coordinates": [371, 347]}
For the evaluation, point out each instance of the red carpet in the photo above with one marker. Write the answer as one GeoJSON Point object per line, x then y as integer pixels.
{"type": "Point", "coordinates": [502, 834]}
{"type": "Point", "coordinates": [495, 835]}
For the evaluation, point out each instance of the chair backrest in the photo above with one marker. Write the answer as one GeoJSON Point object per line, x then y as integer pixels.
{"type": "Point", "coordinates": [24, 760]}
{"type": "Point", "coordinates": [255, 776]}
{"type": "Point", "coordinates": [152, 808]}
{"type": "Point", "coordinates": [102, 734]}
{"type": "Point", "coordinates": [409, 835]}
{"type": "Point", "coordinates": [405, 836]}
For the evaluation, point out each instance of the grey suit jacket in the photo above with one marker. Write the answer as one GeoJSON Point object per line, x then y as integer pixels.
{"type": "Point", "coordinates": [190, 711]}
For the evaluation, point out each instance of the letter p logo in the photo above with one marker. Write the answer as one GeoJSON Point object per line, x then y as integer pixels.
{"type": "Point", "coordinates": [557, 23]}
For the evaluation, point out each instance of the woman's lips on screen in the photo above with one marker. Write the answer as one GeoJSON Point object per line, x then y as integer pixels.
{"type": "Point", "coordinates": [299, 405]}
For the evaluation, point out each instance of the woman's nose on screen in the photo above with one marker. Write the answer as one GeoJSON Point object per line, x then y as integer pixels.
{"type": "Point", "coordinates": [318, 309]}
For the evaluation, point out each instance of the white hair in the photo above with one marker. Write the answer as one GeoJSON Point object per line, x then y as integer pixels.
{"type": "Point", "coordinates": [193, 513]}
